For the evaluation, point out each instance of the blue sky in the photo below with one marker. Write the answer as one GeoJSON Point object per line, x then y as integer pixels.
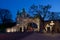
{"type": "Point", "coordinates": [14, 5]}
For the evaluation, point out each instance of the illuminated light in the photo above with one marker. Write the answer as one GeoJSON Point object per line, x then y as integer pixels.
{"type": "Point", "coordinates": [8, 30]}
{"type": "Point", "coordinates": [11, 30]}
{"type": "Point", "coordinates": [15, 30]}
{"type": "Point", "coordinates": [47, 25]}
{"type": "Point", "coordinates": [52, 23]}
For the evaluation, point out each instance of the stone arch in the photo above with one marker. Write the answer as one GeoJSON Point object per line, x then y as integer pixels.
{"type": "Point", "coordinates": [32, 25]}
{"type": "Point", "coordinates": [25, 22]}
{"type": "Point", "coordinates": [36, 22]}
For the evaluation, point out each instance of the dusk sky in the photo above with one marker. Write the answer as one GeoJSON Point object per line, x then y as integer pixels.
{"type": "Point", "coordinates": [14, 5]}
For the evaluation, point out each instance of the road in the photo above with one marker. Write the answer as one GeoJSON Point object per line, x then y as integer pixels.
{"type": "Point", "coordinates": [29, 36]}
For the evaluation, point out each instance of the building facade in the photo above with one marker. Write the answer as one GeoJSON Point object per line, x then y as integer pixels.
{"type": "Point", "coordinates": [23, 20]}
{"type": "Point", "coordinates": [26, 23]}
{"type": "Point", "coordinates": [52, 26]}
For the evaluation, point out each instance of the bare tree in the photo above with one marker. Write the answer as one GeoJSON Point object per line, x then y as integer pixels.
{"type": "Point", "coordinates": [5, 16]}
{"type": "Point", "coordinates": [45, 10]}
{"type": "Point", "coordinates": [39, 10]}
{"type": "Point", "coordinates": [53, 16]}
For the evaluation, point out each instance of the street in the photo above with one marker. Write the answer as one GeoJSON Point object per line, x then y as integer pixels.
{"type": "Point", "coordinates": [30, 36]}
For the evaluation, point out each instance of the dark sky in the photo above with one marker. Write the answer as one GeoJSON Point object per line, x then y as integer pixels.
{"type": "Point", "coordinates": [14, 5]}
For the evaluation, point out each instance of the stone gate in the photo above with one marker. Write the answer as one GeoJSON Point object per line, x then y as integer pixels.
{"type": "Point", "coordinates": [23, 24]}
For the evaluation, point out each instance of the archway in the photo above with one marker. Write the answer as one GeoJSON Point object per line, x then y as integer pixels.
{"type": "Point", "coordinates": [32, 26]}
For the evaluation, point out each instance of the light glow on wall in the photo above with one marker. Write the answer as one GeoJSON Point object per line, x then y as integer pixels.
{"type": "Point", "coordinates": [11, 30]}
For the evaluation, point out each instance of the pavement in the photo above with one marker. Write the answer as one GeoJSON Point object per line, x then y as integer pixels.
{"type": "Point", "coordinates": [29, 36]}
{"type": "Point", "coordinates": [40, 36]}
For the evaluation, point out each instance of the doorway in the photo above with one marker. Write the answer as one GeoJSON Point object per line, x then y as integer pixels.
{"type": "Point", "coordinates": [31, 26]}
{"type": "Point", "coordinates": [20, 29]}
{"type": "Point", "coordinates": [48, 29]}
